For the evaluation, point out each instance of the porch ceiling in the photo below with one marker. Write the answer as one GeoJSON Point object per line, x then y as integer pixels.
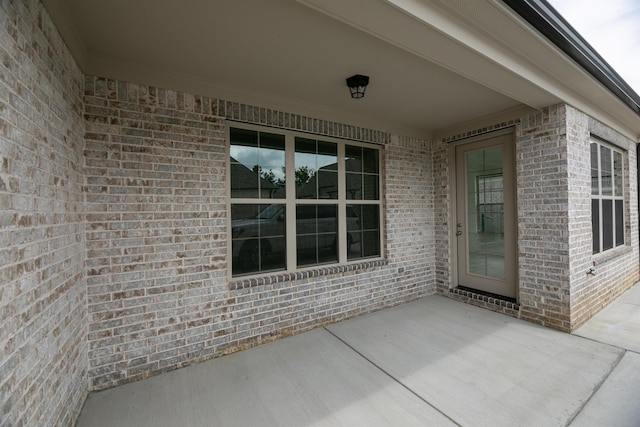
{"type": "Point", "coordinates": [430, 67]}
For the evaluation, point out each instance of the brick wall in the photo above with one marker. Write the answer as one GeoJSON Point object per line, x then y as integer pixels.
{"type": "Point", "coordinates": [579, 194]}
{"type": "Point", "coordinates": [410, 205]}
{"type": "Point", "coordinates": [442, 216]}
{"type": "Point", "coordinates": [617, 269]}
{"type": "Point", "coordinates": [43, 322]}
{"type": "Point", "coordinates": [158, 292]}
{"type": "Point", "coordinates": [554, 211]}
{"type": "Point", "coordinates": [543, 217]}
{"type": "Point", "coordinates": [155, 226]}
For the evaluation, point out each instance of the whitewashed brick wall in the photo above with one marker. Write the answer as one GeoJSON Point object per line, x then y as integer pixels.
{"type": "Point", "coordinates": [442, 216]}
{"type": "Point", "coordinates": [158, 292]}
{"type": "Point", "coordinates": [579, 194]}
{"type": "Point", "coordinates": [554, 210]}
{"type": "Point", "coordinates": [618, 269]}
{"type": "Point", "coordinates": [543, 218]}
{"type": "Point", "coordinates": [43, 319]}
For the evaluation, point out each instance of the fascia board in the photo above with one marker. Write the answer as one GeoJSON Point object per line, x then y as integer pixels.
{"type": "Point", "coordinates": [577, 86]}
{"type": "Point", "coordinates": [547, 21]}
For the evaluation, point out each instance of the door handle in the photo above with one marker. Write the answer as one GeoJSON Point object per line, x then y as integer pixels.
{"type": "Point", "coordinates": [459, 232]}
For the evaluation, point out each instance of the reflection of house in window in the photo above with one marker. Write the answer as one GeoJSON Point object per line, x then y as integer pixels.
{"type": "Point", "coordinates": [247, 183]}
{"type": "Point", "coordinates": [324, 184]}
{"type": "Point", "coordinates": [359, 185]}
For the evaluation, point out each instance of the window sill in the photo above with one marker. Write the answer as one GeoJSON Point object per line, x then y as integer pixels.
{"type": "Point", "coordinates": [279, 277]}
{"type": "Point", "coordinates": [611, 254]}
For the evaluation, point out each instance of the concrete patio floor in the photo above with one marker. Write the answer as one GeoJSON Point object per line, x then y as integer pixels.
{"type": "Point", "coordinates": [431, 362]}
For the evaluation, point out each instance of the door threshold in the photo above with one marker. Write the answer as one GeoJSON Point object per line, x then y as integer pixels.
{"type": "Point", "coordinates": [494, 301]}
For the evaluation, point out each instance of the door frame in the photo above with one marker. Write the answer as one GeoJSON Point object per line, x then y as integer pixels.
{"type": "Point", "coordinates": [453, 209]}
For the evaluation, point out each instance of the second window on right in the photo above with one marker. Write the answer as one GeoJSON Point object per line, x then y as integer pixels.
{"type": "Point", "coordinates": [607, 196]}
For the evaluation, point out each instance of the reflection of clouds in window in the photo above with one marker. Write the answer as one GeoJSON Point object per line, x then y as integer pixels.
{"type": "Point", "coordinates": [315, 161]}
{"type": "Point", "coordinates": [324, 160]}
{"type": "Point", "coordinates": [268, 159]}
{"type": "Point", "coordinates": [278, 173]}
{"type": "Point", "coordinates": [316, 165]}
{"type": "Point", "coordinates": [272, 160]}
{"type": "Point", "coordinates": [315, 155]}
{"type": "Point", "coordinates": [248, 156]}
{"type": "Point", "coordinates": [306, 160]}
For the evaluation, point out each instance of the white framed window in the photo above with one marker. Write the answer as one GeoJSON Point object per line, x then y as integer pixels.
{"type": "Point", "coordinates": [607, 196]}
{"type": "Point", "coordinates": [299, 201]}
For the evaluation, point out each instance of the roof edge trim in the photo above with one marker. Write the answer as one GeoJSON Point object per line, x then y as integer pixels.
{"type": "Point", "coordinates": [544, 18]}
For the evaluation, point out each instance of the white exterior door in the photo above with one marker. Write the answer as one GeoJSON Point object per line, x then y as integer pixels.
{"type": "Point", "coordinates": [486, 217]}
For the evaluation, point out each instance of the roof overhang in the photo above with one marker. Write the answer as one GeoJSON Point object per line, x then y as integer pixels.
{"type": "Point", "coordinates": [547, 21]}
{"type": "Point", "coordinates": [433, 64]}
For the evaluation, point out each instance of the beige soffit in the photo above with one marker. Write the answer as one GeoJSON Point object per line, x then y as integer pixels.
{"type": "Point", "coordinates": [434, 64]}
{"type": "Point", "coordinates": [232, 50]}
{"type": "Point", "coordinates": [487, 42]}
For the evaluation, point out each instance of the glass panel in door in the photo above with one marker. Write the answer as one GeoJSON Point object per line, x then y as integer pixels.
{"type": "Point", "coordinates": [485, 213]}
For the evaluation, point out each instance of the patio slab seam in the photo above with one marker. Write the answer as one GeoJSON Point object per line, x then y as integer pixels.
{"type": "Point", "coordinates": [602, 342]}
{"type": "Point", "coordinates": [396, 380]}
{"type": "Point", "coordinates": [598, 386]}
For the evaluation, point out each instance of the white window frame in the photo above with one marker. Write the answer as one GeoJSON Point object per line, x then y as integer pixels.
{"type": "Point", "coordinates": [291, 201]}
{"type": "Point", "coordinates": [613, 197]}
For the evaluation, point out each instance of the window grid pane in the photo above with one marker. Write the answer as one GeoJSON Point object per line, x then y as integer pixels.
{"type": "Point", "coordinates": [363, 173]}
{"type": "Point", "coordinates": [607, 224]}
{"type": "Point", "coordinates": [617, 173]}
{"type": "Point", "coordinates": [619, 216]}
{"type": "Point", "coordinates": [257, 163]}
{"type": "Point", "coordinates": [316, 169]}
{"type": "Point", "coordinates": [316, 234]}
{"type": "Point", "coordinates": [258, 238]}
{"type": "Point", "coordinates": [363, 231]}
{"type": "Point", "coordinates": [595, 171]}
{"type": "Point", "coordinates": [607, 201]}
{"type": "Point", "coordinates": [595, 224]}
{"type": "Point", "coordinates": [605, 171]}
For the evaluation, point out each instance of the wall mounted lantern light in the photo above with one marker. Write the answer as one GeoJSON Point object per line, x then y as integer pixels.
{"type": "Point", "coordinates": [357, 84]}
